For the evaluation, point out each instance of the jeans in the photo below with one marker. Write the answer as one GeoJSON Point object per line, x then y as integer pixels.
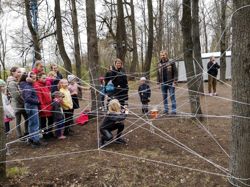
{"type": "Point", "coordinates": [32, 112]}
{"type": "Point", "coordinates": [164, 88]}
{"type": "Point", "coordinates": [19, 115]}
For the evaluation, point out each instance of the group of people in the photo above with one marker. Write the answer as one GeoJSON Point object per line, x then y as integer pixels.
{"type": "Point", "coordinates": [47, 101]}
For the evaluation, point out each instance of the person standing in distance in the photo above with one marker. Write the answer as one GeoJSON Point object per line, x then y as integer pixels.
{"type": "Point", "coordinates": [212, 70]}
{"type": "Point", "coordinates": [167, 78]}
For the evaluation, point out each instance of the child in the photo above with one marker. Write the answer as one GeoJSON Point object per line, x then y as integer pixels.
{"type": "Point", "coordinates": [8, 110]}
{"type": "Point", "coordinates": [102, 92]}
{"type": "Point", "coordinates": [58, 115]}
{"type": "Point", "coordinates": [51, 76]}
{"type": "Point", "coordinates": [144, 93]}
{"type": "Point", "coordinates": [112, 121]}
{"type": "Point", "coordinates": [67, 105]}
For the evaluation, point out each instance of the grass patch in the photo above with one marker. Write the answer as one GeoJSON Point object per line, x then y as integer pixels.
{"type": "Point", "coordinates": [17, 171]}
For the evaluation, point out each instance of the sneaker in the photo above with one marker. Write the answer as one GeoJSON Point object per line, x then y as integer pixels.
{"type": "Point", "coordinates": [38, 144]}
{"type": "Point", "coordinates": [61, 137]}
{"type": "Point", "coordinates": [215, 94]}
{"type": "Point", "coordinates": [210, 94]}
{"type": "Point", "coordinates": [173, 113]}
{"type": "Point", "coordinates": [120, 141]}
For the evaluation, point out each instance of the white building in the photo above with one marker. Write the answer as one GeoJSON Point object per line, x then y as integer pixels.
{"type": "Point", "coordinates": [182, 74]}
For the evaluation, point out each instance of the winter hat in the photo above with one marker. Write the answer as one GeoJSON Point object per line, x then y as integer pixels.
{"type": "Point", "coordinates": [71, 78]}
{"type": "Point", "coordinates": [143, 79]}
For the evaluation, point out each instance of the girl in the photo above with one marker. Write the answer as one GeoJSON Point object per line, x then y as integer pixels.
{"type": "Point", "coordinates": [58, 115]}
{"type": "Point", "coordinates": [17, 101]}
{"type": "Point", "coordinates": [45, 107]}
{"type": "Point", "coordinates": [67, 105]}
{"type": "Point", "coordinates": [8, 110]}
{"type": "Point", "coordinates": [112, 121]}
{"type": "Point", "coordinates": [31, 104]}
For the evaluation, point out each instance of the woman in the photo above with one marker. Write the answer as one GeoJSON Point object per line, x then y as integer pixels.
{"type": "Point", "coordinates": [17, 100]}
{"type": "Point", "coordinates": [118, 76]}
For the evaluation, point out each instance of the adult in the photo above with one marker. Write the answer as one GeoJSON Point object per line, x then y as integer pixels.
{"type": "Point", "coordinates": [54, 85]}
{"type": "Point", "coordinates": [17, 101]}
{"type": "Point", "coordinates": [118, 76]}
{"type": "Point", "coordinates": [54, 67]}
{"type": "Point", "coordinates": [167, 78]}
{"type": "Point", "coordinates": [212, 70]}
{"type": "Point", "coordinates": [45, 107]}
{"type": "Point", "coordinates": [38, 68]}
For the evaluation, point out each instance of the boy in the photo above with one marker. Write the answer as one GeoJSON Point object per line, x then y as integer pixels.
{"type": "Point", "coordinates": [144, 93]}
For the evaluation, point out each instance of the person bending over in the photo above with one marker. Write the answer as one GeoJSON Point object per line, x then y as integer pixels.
{"type": "Point", "coordinates": [113, 121]}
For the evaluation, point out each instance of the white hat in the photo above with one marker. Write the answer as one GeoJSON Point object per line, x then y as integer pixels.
{"type": "Point", "coordinates": [71, 77]}
{"type": "Point", "coordinates": [143, 79]}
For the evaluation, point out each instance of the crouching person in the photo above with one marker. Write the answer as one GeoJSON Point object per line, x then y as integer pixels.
{"type": "Point", "coordinates": [113, 121]}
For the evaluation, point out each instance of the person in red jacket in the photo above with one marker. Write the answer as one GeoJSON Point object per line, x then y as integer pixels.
{"type": "Point", "coordinates": [38, 68]}
{"type": "Point", "coordinates": [45, 108]}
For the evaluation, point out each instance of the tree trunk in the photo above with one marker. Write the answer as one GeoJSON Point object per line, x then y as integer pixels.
{"type": "Point", "coordinates": [205, 28]}
{"type": "Point", "coordinates": [60, 43]}
{"type": "Point", "coordinates": [223, 41]}
{"type": "Point", "coordinates": [240, 150]}
{"type": "Point", "coordinates": [160, 26]}
{"type": "Point", "coordinates": [197, 45]}
{"type": "Point", "coordinates": [150, 40]}
{"type": "Point", "coordinates": [34, 34]}
{"type": "Point", "coordinates": [135, 52]}
{"type": "Point", "coordinates": [121, 40]}
{"type": "Point", "coordinates": [188, 58]}
{"type": "Point", "coordinates": [93, 58]}
{"type": "Point", "coordinates": [2, 144]}
{"type": "Point", "coordinates": [77, 52]}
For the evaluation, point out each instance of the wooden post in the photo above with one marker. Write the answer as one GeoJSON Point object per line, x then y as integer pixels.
{"type": "Point", "coordinates": [2, 144]}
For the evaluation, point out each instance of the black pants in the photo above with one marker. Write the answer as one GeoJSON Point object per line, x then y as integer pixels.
{"type": "Point", "coordinates": [106, 131]}
{"type": "Point", "coordinates": [68, 120]}
{"type": "Point", "coordinates": [46, 124]}
{"type": "Point", "coordinates": [144, 107]}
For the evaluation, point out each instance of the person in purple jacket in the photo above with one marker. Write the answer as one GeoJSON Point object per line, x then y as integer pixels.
{"type": "Point", "coordinates": [31, 104]}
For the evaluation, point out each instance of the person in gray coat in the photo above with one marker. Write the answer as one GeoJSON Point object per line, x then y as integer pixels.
{"type": "Point", "coordinates": [17, 101]}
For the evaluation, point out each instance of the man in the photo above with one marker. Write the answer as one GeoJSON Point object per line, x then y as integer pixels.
{"type": "Point", "coordinates": [167, 78]}
{"type": "Point", "coordinates": [54, 68]}
{"type": "Point", "coordinates": [212, 70]}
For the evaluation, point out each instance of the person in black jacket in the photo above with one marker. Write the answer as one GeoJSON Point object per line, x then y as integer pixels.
{"type": "Point", "coordinates": [212, 70]}
{"type": "Point", "coordinates": [113, 121]}
{"type": "Point", "coordinates": [118, 76]}
{"type": "Point", "coordinates": [167, 76]}
{"type": "Point", "coordinates": [144, 93]}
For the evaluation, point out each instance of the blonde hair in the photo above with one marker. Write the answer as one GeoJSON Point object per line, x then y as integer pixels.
{"type": "Point", "coordinates": [52, 73]}
{"type": "Point", "coordinates": [61, 83]}
{"type": "Point", "coordinates": [114, 106]}
{"type": "Point", "coordinates": [164, 52]}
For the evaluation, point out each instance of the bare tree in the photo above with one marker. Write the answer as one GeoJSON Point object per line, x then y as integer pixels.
{"type": "Point", "coordinates": [77, 53]}
{"type": "Point", "coordinates": [197, 45]}
{"type": "Point", "coordinates": [121, 36]}
{"type": "Point", "coordinates": [3, 49]}
{"type": "Point", "coordinates": [223, 40]}
{"type": "Point", "coordinates": [34, 33]}
{"type": "Point", "coordinates": [188, 58]}
{"type": "Point", "coordinates": [240, 149]}
{"type": "Point", "coordinates": [60, 42]}
{"type": "Point", "coordinates": [93, 57]}
{"type": "Point", "coordinates": [150, 39]}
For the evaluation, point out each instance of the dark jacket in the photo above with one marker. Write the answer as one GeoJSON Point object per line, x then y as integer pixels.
{"type": "Point", "coordinates": [111, 119]}
{"type": "Point", "coordinates": [212, 68]}
{"type": "Point", "coordinates": [144, 92]}
{"type": "Point", "coordinates": [167, 72]}
{"type": "Point", "coordinates": [58, 115]}
{"type": "Point", "coordinates": [28, 93]}
{"type": "Point", "coordinates": [120, 81]}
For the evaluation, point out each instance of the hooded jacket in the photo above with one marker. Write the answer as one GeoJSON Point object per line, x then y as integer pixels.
{"type": "Point", "coordinates": [28, 93]}
{"type": "Point", "coordinates": [16, 97]}
{"type": "Point", "coordinates": [44, 97]}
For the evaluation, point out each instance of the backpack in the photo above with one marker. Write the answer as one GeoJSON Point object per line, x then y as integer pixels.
{"type": "Point", "coordinates": [110, 88]}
